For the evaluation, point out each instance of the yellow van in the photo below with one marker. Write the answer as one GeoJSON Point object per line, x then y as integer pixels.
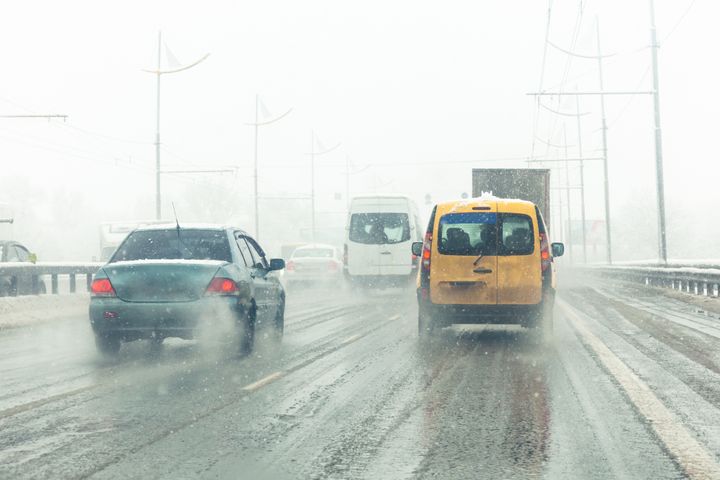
{"type": "Point", "coordinates": [486, 260]}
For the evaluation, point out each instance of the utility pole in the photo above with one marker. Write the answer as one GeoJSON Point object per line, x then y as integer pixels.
{"type": "Point", "coordinates": [312, 184]}
{"type": "Point", "coordinates": [348, 172]}
{"type": "Point", "coordinates": [158, 208]}
{"type": "Point", "coordinates": [255, 168]}
{"type": "Point", "coordinates": [606, 182]}
{"type": "Point", "coordinates": [660, 182]}
{"type": "Point", "coordinates": [314, 154]}
{"type": "Point", "coordinates": [567, 195]}
{"type": "Point", "coordinates": [347, 181]}
{"type": "Point", "coordinates": [662, 246]}
{"type": "Point", "coordinates": [158, 73]}
{"type": "Point", "coordinates": [580, 159]}
{"type": "Point", "coordinates": [582, 179]}
{"type": "Point", "coordinates": [257, 124]}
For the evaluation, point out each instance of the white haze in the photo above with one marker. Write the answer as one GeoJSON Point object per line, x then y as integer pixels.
{"type": "Point", "coordinates": [417, 92]}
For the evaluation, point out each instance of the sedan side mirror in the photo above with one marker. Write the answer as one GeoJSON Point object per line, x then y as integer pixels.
{"type": "Point", "coordinates": [558, 249]}
{"type": "Point", "coordinates": [276, 264]}
{"type": "Point", "coordinates": [416, 248]}
{"type": "Point", "coordinates": [33, 258]}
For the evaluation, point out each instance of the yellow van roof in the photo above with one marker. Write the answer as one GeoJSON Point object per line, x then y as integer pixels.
{"type": "Point", "coordinates": [502, 204]}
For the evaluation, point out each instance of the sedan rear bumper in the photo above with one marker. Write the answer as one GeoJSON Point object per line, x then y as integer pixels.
{"type": "Point", "coordinates": [131, 321]}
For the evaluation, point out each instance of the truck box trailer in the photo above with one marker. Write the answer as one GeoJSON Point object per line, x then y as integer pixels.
{"type": "Point", "coordinates": [532, 184]}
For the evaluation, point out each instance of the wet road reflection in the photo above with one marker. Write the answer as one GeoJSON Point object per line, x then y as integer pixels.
{"type": "Point", "coordinates": [470, 425]}
{"type": "Point", "coordinates": [350, 393]}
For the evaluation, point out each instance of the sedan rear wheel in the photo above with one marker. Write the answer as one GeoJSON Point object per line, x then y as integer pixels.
{"type": "Point", "coordinates": [107, 345]}
{"type": "Point", "coordinates": [279, 323]}
{"type": "Point", "coordinates": [247, 331]}
{"type": "Point", "coordinates": [426, 325]}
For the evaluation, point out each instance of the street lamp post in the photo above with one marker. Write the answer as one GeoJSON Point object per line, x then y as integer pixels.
{"type": "Point", "coordinates": [314, 154]}
{"type": "Point", "coordinates": [257, 124]}
{"type": "Point", "coordinates": [159, 72]}
{"type": "Point", "coordinates": [348, 172]}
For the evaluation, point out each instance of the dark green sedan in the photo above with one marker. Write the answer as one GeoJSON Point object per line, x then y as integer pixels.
{"type": "Point", "coordinates": [177, 281]}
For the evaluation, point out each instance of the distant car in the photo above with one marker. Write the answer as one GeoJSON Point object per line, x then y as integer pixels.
{"type": "Point", "coordinates": [22, 283]}
{"type": "Point", "coordinates": [314, 264]}
{"type": "Point", "coordinates": [169, 281]}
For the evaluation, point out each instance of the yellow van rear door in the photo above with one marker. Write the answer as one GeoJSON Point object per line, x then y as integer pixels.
{"type": "Point", "coordinates": [519, 270]}
{"type": "Point", "coordinates": [464, 263]}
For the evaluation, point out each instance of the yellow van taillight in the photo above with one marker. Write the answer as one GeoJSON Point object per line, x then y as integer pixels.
{"type": "Point", "coordinates": [545, 258]}
{"type": "Point", "coordinates": [427, 247]}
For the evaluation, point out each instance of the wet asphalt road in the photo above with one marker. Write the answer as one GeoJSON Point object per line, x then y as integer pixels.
{"type": "Point", "coordinates": [352, 393]}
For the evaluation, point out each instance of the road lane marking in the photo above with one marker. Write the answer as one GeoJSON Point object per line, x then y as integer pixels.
{"type": "Point", "coordinates": [43, 401]}
{"type": "Point", "coordinates": [263, 381]}
{"type": "Point", "coordinates": [351, 339]}
{"type": "Point", "coordinates": [242, 394]}
{"type": "Point", "coordinates": [692, 456]}
{"type": "Point", "coordinates": [395, 317]}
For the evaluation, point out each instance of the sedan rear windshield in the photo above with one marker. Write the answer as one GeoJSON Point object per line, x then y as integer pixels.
{"type": "Point", "coordinates": [379, 228]}
{"type": "Point", "coordinates": [485, 234]}
{"type": "Point", "coordinates": [167, 244]}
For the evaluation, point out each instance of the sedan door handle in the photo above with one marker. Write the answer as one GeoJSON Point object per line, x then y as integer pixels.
{"type": "Point", "coordinates": [482, 270]}
{"type": "Point", "coordinates": [385, 253]}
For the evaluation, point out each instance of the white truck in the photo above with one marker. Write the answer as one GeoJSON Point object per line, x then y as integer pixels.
{"type": "Point", "coordinates": [113, 233]}
{"type": "Point", "coordinates": [532, 184]}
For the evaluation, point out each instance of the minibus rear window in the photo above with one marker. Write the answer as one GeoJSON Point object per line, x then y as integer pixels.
{"type": "Point", "coordinates": [379, 228]}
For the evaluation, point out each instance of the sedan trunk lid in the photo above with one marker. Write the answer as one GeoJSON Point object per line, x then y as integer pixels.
{"type": "Point", "coordinates": [161, 280]}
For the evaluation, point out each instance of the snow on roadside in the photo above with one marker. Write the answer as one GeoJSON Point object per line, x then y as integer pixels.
{"type": "Point", "coordinates": [30, 309]}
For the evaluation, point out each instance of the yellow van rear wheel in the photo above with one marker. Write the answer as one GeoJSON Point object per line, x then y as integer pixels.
{"type": "Point", "coordinates": [541, 321]}
{"type": "Point", "coordinates": [426, 325]}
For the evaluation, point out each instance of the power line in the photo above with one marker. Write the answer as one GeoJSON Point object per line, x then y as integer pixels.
{"type": "Point", "coordinates": [568, 64]}
{"type": "Point", "coordinates": [536, 120]}
{"type": "Point", "coordinates": [677, 24]}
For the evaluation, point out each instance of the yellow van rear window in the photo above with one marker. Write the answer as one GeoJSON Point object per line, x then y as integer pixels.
{"type": "Point", "coordinates": [472, 233]}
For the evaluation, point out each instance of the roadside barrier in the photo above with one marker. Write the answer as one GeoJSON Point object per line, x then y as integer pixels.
{"type": "Point", "coordinates": [17, 273]}
{"type": "Point", "coordinates": [696, 280]}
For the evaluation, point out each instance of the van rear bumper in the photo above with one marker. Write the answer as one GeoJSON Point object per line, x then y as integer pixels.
{"type": "Point", "coordinates": [445, 315]}
{"type": "Point", "coordinates": [483, 314]}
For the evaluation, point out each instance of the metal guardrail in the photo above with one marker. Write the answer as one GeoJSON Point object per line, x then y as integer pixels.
{"type": "Point", "coordinates": [33, 272]}
{"type": "Point", "coordinates": [698, 280]}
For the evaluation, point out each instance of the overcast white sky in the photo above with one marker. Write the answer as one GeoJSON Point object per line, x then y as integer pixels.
{"type": "Point", "coordinates": [420, 92]}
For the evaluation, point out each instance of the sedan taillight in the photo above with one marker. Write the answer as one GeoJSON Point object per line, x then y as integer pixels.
{"type": "Point", "coordinates": [101, 287]}
{"type": "Point", "coordinates": [222, 286]}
